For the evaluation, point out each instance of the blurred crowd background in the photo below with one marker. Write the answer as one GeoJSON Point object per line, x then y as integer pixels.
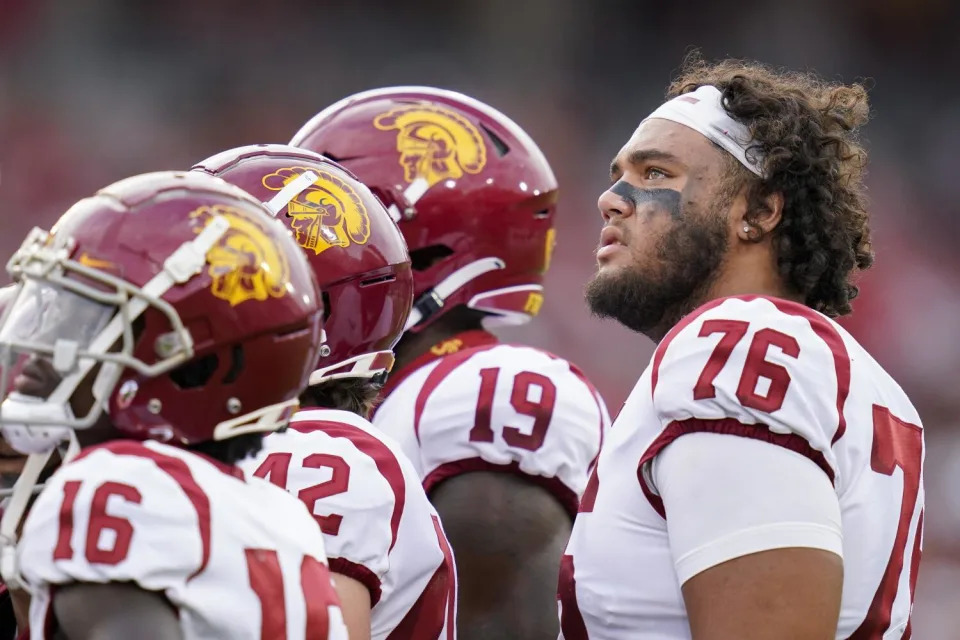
{"type": "Point", "coordinates": [92, 91]}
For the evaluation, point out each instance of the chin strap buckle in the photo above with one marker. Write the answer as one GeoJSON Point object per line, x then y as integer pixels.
{"type": "Point", "coordinates": [428, 304]}
{"type": "Point", "coordinates": [433, 300]}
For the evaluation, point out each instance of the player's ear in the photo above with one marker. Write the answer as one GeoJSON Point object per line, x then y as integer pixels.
{"type": "Point", "coordinates": [761, 216]}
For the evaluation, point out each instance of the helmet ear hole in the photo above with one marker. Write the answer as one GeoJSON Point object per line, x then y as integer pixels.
{"type": "Point", "coordinates": [195, 373]}
{"type": "Point", "coordinates": [385, 278]}
{"type": "Point", "coordinates": [327, 307]}
{"type": "Point", "coordinates": [499, 145]}
{"type": "Point", "coordinates": [236, 364]}
{"type": "Point", "coordinates": [423, 259]}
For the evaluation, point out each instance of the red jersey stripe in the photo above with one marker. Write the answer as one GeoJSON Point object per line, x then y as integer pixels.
{"type": "Point", "coordinates": [380, 453]}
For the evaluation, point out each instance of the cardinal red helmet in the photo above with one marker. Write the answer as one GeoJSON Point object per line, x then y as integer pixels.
{"type": "Point", "coordinates": [472, 193]}
{"type": "Point", "coordinates": [198, 307]}
{"type": "Point", "coordinates": [356, 251]}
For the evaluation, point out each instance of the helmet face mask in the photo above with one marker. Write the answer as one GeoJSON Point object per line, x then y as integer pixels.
{"type": "Point", "coordinates": [82, 320]}
{"type": "Point", "coordinates": [193, 275]}
{"type": "Point", "coordinates": [471, 192]}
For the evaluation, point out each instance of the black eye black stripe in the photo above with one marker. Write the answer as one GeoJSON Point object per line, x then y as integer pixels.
{"type": "Point", "coordinates": [667, 199]}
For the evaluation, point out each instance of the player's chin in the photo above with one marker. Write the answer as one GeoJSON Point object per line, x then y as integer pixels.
{"type": "Point", "coordinates": [607, 275]}
{"type": "Point", "coordinates": [612, 264]}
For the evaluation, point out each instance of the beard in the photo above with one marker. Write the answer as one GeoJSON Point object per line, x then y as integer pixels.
{"type": "Point", "coordinates": [650, 298]}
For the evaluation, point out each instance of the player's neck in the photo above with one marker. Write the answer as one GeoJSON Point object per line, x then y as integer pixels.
{"type": "Point", "coordinates": [101, 431]}
{"type": "Point", "coordinates": [746, 273]}
{"type": "Point", "coordinates": [751, 271]}
{"type": "Point", "coordinates": [414, 345]}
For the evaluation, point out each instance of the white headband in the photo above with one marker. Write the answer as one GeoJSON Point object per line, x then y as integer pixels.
{"type": "Point", "coordinates": [702, 111]}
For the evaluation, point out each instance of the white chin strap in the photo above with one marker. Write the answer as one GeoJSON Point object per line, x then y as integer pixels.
{"type": "Point", "coordinates": [433, 300]}
{"type": "Point", "coordinates": [263, 420]}
{"type": "Point", "coordinates": [365, 365]}
{"type": "Point", "coordinates": [15, 509]}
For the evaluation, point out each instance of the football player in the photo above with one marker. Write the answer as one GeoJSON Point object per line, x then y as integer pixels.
{"type": "Point", "coordinates": [390, 560]}
{"type": "Point", "coordinates": [764, 479]}
{"type": "Point", "coordinates": [169, 322]}
{"type": "Point", "coordinates": [11, 460]}
{"type": "Point", "coordinates": [13, 605]}
{"type": "Point", "coordinates": [502, 435]}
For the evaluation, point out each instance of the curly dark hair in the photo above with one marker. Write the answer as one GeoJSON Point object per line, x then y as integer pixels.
{"type": "Point", "coordinates": [805, 129]}
{"type": "Point", "coordinates": [356, 395]}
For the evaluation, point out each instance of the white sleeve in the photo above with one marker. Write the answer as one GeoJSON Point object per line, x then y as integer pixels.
{"type": "Point", "coordinates": [746, 496]}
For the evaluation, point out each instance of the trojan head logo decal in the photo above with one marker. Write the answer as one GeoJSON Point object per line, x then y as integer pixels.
{"type": "Point", "coordinates": [328, 213]}
{"type": "Point", "coordinates": [245, 264]}
{"type": "Point", "coordinates": [434, 143]}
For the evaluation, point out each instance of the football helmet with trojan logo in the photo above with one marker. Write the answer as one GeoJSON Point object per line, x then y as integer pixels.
{"type": "Point", "coordinates": [191, 307]}
{"type": "Point", "coordinates": [471, 192]}
{"type": "Point", "coordinates": [356, 251]}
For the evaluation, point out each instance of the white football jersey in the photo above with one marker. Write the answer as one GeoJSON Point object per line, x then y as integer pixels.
{"type": "Point", "coordinates": [473, 404]}
{"type": "Point", "coordinates": [238, 559]}
{"type": "Point", "coordinates": [378, 525]}
{"type": "Point", "coordinates": [779, 373]}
